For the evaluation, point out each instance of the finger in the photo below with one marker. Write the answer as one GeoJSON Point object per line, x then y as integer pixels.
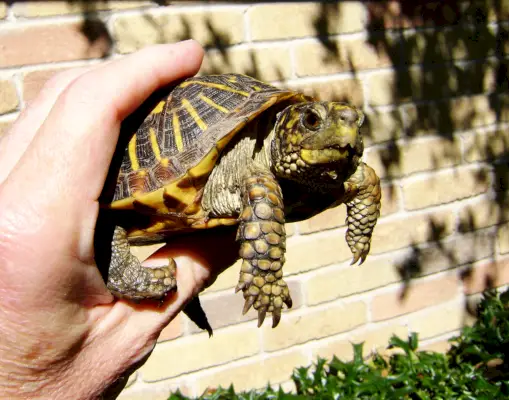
{"type": "Point", "coordinates": [81, 132]}
{"type": "Point", "coordinates": [15, 142]}
{"type": "Point", "coordinates": [198, 264]}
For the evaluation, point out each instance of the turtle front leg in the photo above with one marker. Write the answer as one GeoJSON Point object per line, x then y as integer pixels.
{"type": "Point", "coordinates": [262, 240]}
{"type": "Point", "coordinates": [363, 195]}
{"type": "Point", "coordinates": [127, 278]}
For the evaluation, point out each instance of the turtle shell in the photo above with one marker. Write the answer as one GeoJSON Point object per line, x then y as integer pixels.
{"type": "Point", "coordinates": [170, 156]}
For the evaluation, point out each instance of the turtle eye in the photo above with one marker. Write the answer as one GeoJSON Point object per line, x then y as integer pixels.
{"type": "Point", "coordinates": [311, 120]}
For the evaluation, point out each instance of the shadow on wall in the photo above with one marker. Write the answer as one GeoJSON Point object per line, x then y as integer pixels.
{"type": "Point", "coordinates": [439, 75]}
{"type": "Point", "coordinates": [446, 73]}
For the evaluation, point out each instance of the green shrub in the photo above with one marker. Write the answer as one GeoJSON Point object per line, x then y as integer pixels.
{"type": "Point", "coordinates": [475, 367]}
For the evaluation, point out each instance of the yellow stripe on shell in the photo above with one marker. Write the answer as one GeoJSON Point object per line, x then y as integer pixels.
{"type": "Point", "coordinates": [177, 134]}
{"type": "Point", "coordinates": [135, 165]}
{"type": "Point", "coordinates": [154, 144]}
{"type": "Point", "coordinates": [215, 86]}
{"type": "Point", "coordinates": [159, 108]}
{"type": "Point", "coordinates": [194, 114]}
{"type": "Point", "coordinates": [211, 103]}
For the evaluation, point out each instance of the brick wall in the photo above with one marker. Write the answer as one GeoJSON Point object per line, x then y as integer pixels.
{"type": "Point", "coordinates": [432, 79]}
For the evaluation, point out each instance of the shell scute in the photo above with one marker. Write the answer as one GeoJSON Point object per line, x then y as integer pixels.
{"type": "Point", "coordinates": [174, 149]}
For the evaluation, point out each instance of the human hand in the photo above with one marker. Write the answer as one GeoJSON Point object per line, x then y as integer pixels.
{"type": "Point", "coordinates": [61, 333]}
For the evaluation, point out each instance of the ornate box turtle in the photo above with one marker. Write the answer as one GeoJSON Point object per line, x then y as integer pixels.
{"type": "Point", "coordinates": [229, 149]}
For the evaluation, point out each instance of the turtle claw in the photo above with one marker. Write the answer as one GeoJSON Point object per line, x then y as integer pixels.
{"type": "Point", "coordinates": [248, 304]}
{"type": "Point", "coordinates": [276, 317]}
{"type": "Point", "coordinates": [356, 258]}
{"type": "Point", "coordinates": [288, 301]}
{"type": "Point", "coordinates": [262, 312]}
{"type": "Point", "coordinates": [240, 286]}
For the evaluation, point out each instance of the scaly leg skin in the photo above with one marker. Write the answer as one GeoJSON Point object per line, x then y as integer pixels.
{"type": "Point", "coordinates": [262, 245]}
{"type": "Point", "coordinates": [127, 278]}
{"type": "Point", "coordinates": [363, 209]}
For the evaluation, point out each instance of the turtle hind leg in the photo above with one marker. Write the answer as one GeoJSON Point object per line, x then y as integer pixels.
{"type": "Point", "coordinates": [127, 278]}
{"type": "Point", "coordinates": [363, 209]}
{"type": "Point", "coordinates": [262, 237]}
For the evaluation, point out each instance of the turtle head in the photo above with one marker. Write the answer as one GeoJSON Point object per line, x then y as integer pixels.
{"type": "Point", "coordinates": [317, 142]}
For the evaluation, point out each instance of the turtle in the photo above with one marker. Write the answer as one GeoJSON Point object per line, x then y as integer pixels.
{"type": "Point", "coordinates": [228, 149]}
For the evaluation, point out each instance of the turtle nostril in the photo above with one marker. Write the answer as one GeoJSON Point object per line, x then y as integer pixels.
{"type": "Point", "coordinates": [349, 115]}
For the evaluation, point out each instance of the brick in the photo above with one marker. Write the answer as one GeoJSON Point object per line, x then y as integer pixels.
{"type": "Point", "coordinates": [461, 113]}
{"type": "Point", "coordinates": [341, 347]}
{"type": "Point", "coordinates": [503, 239]}
{"type": "Point", "coordinates": [481, 214]}
{"type": "Point", "coordinates": [391, 197]}
{"type": "Point", "coordinates": [34, 81]}
{"type": "Point", "coordinates": [500, 107]}
{"type": "Point", "coordinates": [481, 146]}
{"type": "Point", "coordinates": [290, 229]}
{"type": "Point", "coordinates": [439, 320]}
{"type": "Point", "coordinates": [424, 155]}
{"type": "Point", "coordinates": [472, 111]}
{"type": "Point", "coordinates": [313, 58]}
{"type": "Point", "coordinates": [411, 230]}
{"type": "Point", "coordinates": [145, 393]}
{"type": "Point", "coordinates": [328, 219]}
{"type": "Point", "coordinates": [154, 391]}
{"type": "Point", "coordinates": [253, 374]}
{"type": "Point", "coordinates": [396, 14]}
{"type": "Point", "coordinates": [375, 338]}
{"type": "Point", "coordinates": [225, 308]}
{"type": "Point", "coordinates": [315, 251]}
{"type": "Point", "coordinates": [335, 217]}
{"type": "Point", "coordinates": [389, 87]}
{"type": "Point", "coordinates": [442, 187]}
{"type": "Point", "coordinates": [440, 346]}
{"type": "Point", "coordinates": [489, 274]}
{"type": "Point", "coordinates": [347, 280]}
{"type": "Point", "coordinates": [3, 9]}
{"type": "Point", "coordinates": [438, 46]}
{"type": "Point", "coordinates": [173, 330]}
{"type": "Point", "coordinates": [382, 126]}
{"type": "Point", "coordinates": [267, 64]}
{"type": "Point", "coordinates": [44, 43]}
{"type": "Point", "coordinates": [143, 252]}
{"type": "Point", "coordinates": [498, 11]}
{"type": "Point", "coordinates": [431, 83]}
{"type": "Point", "coordinates": [419, 295]}
{"type": "Point", "coordinates": [132, 379]}
{"type": "Point", "coordinates": [228, 279]}
{"type": "Point", "coordinates": [314, 324]}
{"type": "Point", "coordinates": [270, 21]}
{"type": "Point", "coordinates": [8, 97]}
{"type": "Point", "coordinates": [411, 84]}
{"type": "Point", "coordinates": [5, 125]}
{"type": "Point", "coordinates": [211, 28]}
{"type": "Point", "coordinates": [196, 352]}
{"type": "Point", "coordinates": [472, 303]}
{"type": "Point", "coordinates": [446, 254]}
{"type": "Point", "coordinates": [288, 386]}
{"type": "Point", "coordinates": [344, 90]}
{"type": "Point", "coordinates": [30, 9]}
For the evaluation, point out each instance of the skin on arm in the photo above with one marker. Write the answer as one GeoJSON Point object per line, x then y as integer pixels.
{"type": "Point", "coordinates": [58, 321]}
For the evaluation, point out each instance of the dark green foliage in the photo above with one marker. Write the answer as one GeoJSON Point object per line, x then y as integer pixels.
{"type": "Point", "coordinates": [475, 368]}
